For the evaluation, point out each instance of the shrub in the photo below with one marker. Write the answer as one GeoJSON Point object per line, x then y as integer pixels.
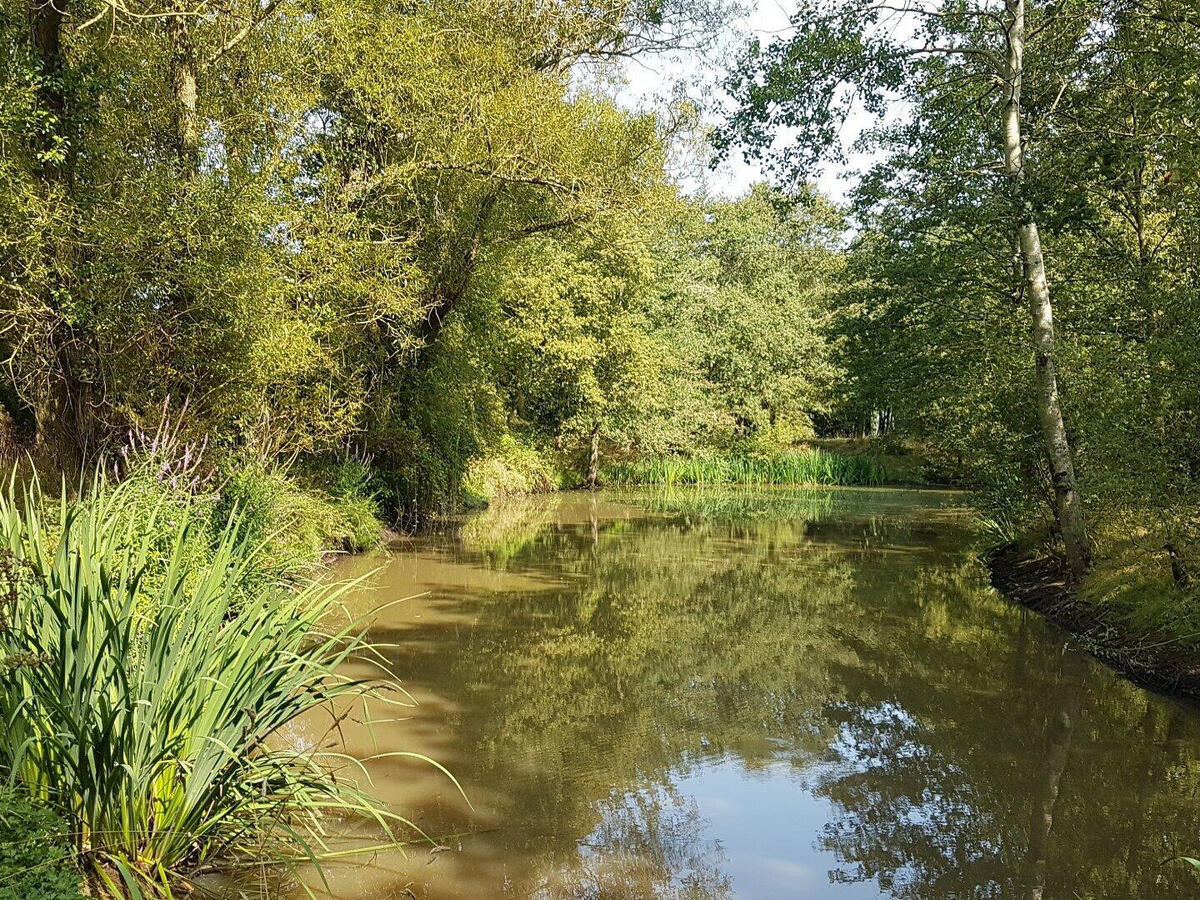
{"type": "Point", "coordinates": [296, 525]}
{"type": "Point", "coordinates": [36, 858]}
{"type": "Point", "coordinates": [153, 728]}
{"type": "Point", "coordinates": [509, 469]}
{"type": "Point", "coordinates": [358, 523]}
{"type": "Point", "coordinates": [355, 492]}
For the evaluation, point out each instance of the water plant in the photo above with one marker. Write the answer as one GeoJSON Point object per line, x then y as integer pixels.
{"type": "Point", "coordinates": [741, 503]}
{"type": "Point", "coordinates": [150, 712]}
{"type": "Point", "coordinates": [796, 467]}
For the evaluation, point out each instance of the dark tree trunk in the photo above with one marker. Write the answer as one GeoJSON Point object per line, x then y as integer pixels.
{"type": "Point", "coordinates": [45, 19]}
{"type": "Point", "coordinates": [453, 285]}
{"type": "Point", "coordinates": [185, 90]}
{"type": "Point", "coordinates": [45, 37]}
{"type": "Point", "coordinates": [1179, 572]}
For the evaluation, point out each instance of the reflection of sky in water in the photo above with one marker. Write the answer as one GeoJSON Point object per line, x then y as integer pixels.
{"type": "Point", "coordinates": [766, 829]}
{"type": "Point", "coordinates": [760, 827]}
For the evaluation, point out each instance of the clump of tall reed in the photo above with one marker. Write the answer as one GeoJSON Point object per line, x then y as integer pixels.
{"type": "Point", "coordinates": [144, 695]}
{"type": "Point", "coordinates": [794, 467]}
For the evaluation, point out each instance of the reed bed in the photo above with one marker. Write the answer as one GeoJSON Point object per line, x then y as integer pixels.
{"type": "Point", "coordinates": [154, 703]}
{"type": "Point", "coordinates": [792, 468]}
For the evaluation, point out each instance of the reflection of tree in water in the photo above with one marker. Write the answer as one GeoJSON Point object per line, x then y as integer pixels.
{"type": "Point", "coordinates": [952, 782]}
{"type": "Point", "coordinates": [648, 843]}
{"type": "Point", "coordinates": [863, 647]}
{"type": "Point", "coordinates": [702, 633]}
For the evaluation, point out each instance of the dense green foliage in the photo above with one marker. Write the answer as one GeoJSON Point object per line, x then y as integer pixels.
{"type": "Point", "coordinates": [144, 692]}
{"type": "Point", "coordinates": [934, 315]}
{"type": "Point", "coordinates": [744, 314]}
{"type": "Point", "coordinates": [447, 239]}
{"type": "Point", "coordinates": [441, 238]}
{"type": "Point", "coordinates": [36, 856]}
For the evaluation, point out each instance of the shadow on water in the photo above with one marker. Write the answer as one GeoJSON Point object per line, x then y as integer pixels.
{"type": "Point", "coordinates": [757, 694]}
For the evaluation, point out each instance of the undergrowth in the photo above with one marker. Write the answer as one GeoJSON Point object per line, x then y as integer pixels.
{"type": "Point", "coordinates": [1142, 575]}
{"type": "Point", "coordinates": [37, 860]}
{"type": "Point", "coordinates": [297, 523]}
{"type": "Point", "coordinates": [511, 468]}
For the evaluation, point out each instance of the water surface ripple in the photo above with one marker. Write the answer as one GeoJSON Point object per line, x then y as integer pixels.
{"type": "Point", "coordinates": [758, 694]}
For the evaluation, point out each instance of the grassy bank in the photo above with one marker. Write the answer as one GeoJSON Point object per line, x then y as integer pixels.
{"type": "Point", "coordinates": [1142, 581]}
{"type": "Point", "coordinates": [1154, 653]}
{"type": "Point", "coordinates": [793, 467]}
{"type": "Point", "coordinates": [1138, 608]}
{"type": "Point", "coordinates": [513, 468]}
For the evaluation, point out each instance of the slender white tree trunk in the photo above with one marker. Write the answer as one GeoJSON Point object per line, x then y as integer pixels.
{"type": "Point", "coordinates": [1037, 291]}
{"type": "Point", "coordinates": [593, 475]}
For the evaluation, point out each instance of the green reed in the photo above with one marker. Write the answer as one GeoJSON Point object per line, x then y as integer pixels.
{"type": "Point", "coordinates": [153, 704]}
{"type": "Point", "coordinates": [795, 467]}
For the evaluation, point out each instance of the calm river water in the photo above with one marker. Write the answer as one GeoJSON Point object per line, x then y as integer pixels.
{"type": "Point", "coordinates": [761, 694]}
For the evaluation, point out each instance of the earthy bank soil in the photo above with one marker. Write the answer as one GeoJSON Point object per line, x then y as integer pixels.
{"type": "Point", "coordinates": [1041, 585]}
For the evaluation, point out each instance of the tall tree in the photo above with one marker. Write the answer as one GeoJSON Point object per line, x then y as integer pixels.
{"type": "Point", "coordinates": [1037, 288]}
{"type": "Point", "coordinates": [941, 62]}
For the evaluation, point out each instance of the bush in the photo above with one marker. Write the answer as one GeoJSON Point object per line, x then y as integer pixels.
{"type": "Point", "coordinates": [510, 469]}
{"type": "Point", "coordinates": [36, 859]}
{"type": "Point", "coordinates": [358, 523]}
{"type": "Point", "coordinates": [355, 492]}
{"type": "Point", "coordinates": [148, 725]}
{"type": "Point", "coordinates": [297, 525]}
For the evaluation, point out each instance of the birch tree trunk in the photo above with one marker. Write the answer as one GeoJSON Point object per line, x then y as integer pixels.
{"type": "Point", "coordinates": [593, 475]}
{"type": "Point", "coordinates": [1037, 291]}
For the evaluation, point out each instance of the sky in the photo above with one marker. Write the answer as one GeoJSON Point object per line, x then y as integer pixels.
{"type": "Point", "coordinates": [649, 81]}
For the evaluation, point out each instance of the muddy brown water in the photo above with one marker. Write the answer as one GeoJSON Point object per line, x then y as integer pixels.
{"type": "Point", "coordinates": [752, 693]}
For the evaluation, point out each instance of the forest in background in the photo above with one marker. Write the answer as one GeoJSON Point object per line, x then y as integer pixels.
{"type": "Point", "coordinates": [409, 235]}
{"type": "Point", "coordinates": [282, 271]}
{"type": "Point", "coordinates": [418, 254]}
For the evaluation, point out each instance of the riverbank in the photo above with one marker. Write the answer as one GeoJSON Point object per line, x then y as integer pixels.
{"type": "Point", "coordinates": [515, 469]}
{"type": "Point", "coordinates": [1150, 658]}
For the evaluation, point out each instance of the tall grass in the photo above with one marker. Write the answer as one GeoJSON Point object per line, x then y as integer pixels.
{"type": "Point", "coordinates": [148, 711]}
{"type": "Point", "coordinates": [798, 467]}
